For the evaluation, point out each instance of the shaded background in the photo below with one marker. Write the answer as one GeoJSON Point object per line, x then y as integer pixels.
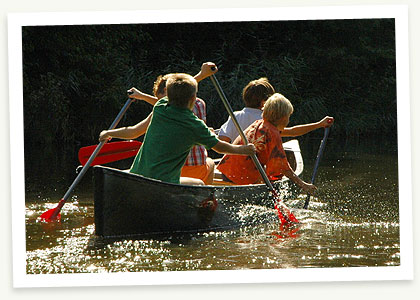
{"type": "Point", "coordinates": [76, 77]}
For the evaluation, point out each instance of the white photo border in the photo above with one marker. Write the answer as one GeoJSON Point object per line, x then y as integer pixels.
{"type": "Point", "coordinates": [17, 20]}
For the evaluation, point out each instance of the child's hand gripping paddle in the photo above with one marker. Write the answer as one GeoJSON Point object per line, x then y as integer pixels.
{"type": "Point", "coordinates": [318, 160]}
{"type": "Point", "coordinates": [284, 213]}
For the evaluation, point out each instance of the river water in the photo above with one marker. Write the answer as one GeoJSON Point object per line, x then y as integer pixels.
{"type": "Point", "coordinates": [352, 221]}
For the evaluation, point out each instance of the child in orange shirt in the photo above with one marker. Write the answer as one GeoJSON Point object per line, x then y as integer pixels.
{"type": "Point", "coordinates": [265, 134]}
{"type": "Point", "coordinates": [254, 95]}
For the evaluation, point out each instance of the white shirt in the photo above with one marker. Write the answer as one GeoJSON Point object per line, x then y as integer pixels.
{"type": "Point", "coordinates": [245, 117]}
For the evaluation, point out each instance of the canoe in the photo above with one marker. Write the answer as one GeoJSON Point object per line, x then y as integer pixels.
{"type": "Point", "coordinates": [127, 204]}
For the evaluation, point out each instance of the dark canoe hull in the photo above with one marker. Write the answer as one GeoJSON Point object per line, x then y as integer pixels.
{"type": "Point", "coordinates": [128, 204]}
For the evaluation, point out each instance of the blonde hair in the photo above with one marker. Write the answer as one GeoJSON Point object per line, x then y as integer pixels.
{"type": "Point", "coordinates": [180, 88]}
{"type": "Point", "coordinates": [277, 107]}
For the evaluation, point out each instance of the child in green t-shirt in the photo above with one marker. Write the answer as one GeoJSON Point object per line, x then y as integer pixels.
{"type": "Point", "coordinates": [198, 164]}
{"type": "Point", "coordinates": [172, 132]}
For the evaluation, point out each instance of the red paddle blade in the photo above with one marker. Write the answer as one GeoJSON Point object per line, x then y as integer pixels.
{"type": "Point", "coordinates": [110, 152]}
{"type": "Point", "coordinates": [53, 214]}
{"type": "Point", "coordinates": [286, 232]}
{"type": "Point", "coordinates": [50, 216]}
{"type": "Point", "coordinates": [285, 215]}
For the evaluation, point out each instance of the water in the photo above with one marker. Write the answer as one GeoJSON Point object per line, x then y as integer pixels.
{"type": "Point", "coordinates": [353, 221]}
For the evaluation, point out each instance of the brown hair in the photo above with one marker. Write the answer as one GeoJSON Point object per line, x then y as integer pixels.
{"type": "Point", "coordinates": [277, 107]}
{"type": "Point", "coordinates": [180, 88]}
{"type": "Point", "coordinates": [159, 85]}
{"type": "Point", "coordinates": [256, 92]}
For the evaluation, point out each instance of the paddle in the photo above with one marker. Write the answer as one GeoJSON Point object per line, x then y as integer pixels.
{"type": "Point", "coordinates": [110, 152]}
{"type": "Point", "coordinates": [317, 161]}
{"type": "Point", "coordinates": [284, 213]}
{"type": "Point", "coordinates": [54, 213]}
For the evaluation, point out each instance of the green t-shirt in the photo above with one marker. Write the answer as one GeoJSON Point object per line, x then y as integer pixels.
{"type": "Point", "coordinates": [172, 132]}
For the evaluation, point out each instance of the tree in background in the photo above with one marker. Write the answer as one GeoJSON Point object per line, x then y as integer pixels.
{"type": "Point", "coordinates": [76, 77]}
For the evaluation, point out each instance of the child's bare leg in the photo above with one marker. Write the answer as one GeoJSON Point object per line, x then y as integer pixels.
{"type": "Point", "coordinates": [210, 171]}
{"type": "Point", "coordinates": [191, 181]}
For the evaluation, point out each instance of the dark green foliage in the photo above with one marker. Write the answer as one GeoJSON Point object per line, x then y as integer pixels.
{"type": "Point", "coordinates": [76, 77]}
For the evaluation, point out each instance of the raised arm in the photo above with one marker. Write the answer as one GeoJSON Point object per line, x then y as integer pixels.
{"type": "Point", "coordinates": [127, 133]}
{"type": "Point", "coordinates": [136, 94]}
{"type": "Point", "coordinates": [305, 128]}
{"type": "Point", "coordinates": [206, 71]}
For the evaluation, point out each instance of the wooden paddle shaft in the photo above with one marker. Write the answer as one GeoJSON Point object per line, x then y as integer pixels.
{"type": "Point", "coordinates": [98, 148]}
{"type": "Point", "coordinates": [319, 155]}
{"type": "Point", "coordinates": [317, 161]}
{"type": "Point", "coordinates": [241, 133]}
{"type": "Point", "coordinates": [284, 213]}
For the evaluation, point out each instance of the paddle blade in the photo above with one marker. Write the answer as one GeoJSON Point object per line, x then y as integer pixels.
{"type": "Point", "coordinates": [50, 215]}
{"type": "Point", "coordinates": [286, 232]}
{"type": "Point", "coordinates": [53, 214]}
{"type": "Point", "coordinates": [110, 152]}
{"type": "Point", "coordinates": [285, 215]}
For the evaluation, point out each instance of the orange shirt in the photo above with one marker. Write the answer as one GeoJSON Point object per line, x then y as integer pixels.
{"type": "Point", "coordinates": [266, 137]}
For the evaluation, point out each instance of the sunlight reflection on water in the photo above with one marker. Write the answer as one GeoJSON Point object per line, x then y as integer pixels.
{"type": "Point", "coordinates": [352, 222]}
{"type": "Point", "coordinates": [318, 243]}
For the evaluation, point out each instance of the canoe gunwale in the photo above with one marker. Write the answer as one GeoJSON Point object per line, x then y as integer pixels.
{"type": "Point", "coordinates": [291, 146]}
